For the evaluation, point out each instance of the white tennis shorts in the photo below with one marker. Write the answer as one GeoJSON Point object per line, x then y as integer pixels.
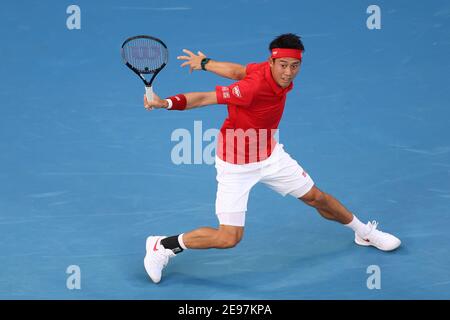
{"type": "Point", "coordinates": [280, 172]}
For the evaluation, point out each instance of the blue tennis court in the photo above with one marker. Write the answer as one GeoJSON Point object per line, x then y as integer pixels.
{"type": "Point", "coordinates": [86, 174]}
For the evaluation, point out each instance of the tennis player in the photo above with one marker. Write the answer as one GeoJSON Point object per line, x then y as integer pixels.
{"type": "Point", "coordinates": [247, 153]}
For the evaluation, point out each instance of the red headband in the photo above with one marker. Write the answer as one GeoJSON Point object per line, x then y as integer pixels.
{"type": "Point", "coordinates": [286, 53]}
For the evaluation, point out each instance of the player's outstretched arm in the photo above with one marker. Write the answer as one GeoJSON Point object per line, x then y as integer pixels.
{"type": "Point", "coordinates": [228, 70]}
{"type": "Point", "coordinates": [185, 101]}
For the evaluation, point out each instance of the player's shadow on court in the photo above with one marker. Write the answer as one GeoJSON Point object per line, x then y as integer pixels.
{"type": "Point", "coordinates": [172, 275]}
{"type": "Point", "coordinates": [190, 281]}
{"type": "Point", "coordinates": [315, 258]}
{"type": "Point", "coordinates": [262, 272]}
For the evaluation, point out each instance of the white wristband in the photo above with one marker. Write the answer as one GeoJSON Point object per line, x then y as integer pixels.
{"type": "Point", "coordinates": [170, 104]}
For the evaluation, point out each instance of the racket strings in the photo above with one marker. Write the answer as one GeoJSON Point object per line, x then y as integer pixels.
{"type": "Point", "coordinates": [145, 55]}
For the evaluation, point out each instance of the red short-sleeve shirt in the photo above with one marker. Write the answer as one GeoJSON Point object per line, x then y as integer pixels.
{"type": "Point", "coordinates": [255, 107]}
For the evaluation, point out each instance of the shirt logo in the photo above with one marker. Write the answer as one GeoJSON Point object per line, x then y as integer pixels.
{"type": "Point", "coordinates": [237, 92]}
{"type": "Point", "coordinates": [226, 92]}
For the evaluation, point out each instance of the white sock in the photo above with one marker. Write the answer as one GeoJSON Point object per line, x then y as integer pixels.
{"type": "Point", "coordinates": [180, 241]}
{"type": "Point", "coordinates": [360, 228]}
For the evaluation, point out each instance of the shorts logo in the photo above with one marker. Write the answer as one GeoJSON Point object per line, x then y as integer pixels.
{"type": "Point", "coordinates": [304, 174]}
{"type": "Point", "coordinates": [237, 92]}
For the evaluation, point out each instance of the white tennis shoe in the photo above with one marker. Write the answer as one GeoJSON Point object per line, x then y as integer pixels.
{"type": "Point", "coordinates": [156, 258]}
{"type": "Point", "coordinates": [381, 240]}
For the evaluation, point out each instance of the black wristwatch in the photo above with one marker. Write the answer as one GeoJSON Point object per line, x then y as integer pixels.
{"type": "Point", "coordinates": [204, 62]}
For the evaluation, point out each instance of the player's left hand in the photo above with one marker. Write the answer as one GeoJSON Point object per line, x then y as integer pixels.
{"type": "Point", "coordinates": [192, 60]}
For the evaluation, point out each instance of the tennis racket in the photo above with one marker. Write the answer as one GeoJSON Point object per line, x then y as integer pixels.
{"type": "Point", "coordinates": [145, 55]}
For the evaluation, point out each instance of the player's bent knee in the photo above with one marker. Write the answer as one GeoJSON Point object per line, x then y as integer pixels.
{"type": "Point", "coordinates": [229, 243]}
{"type": "Point", "coordinates": [229, 236]}
{"type": "Point", "coordinates": [314, 197]}
{"type": "Point", "coordinates": [226, 242]}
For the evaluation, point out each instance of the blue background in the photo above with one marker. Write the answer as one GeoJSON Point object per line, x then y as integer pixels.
{"type": "Point", "coordinates": [86, 173]}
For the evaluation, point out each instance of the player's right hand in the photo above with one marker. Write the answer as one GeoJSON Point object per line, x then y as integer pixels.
{"type": "Point", "coordinates": [157, 102]}
{"type": "Point", "coordinates": [192, 60]}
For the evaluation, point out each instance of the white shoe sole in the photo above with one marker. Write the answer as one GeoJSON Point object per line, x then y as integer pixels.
{"type": "Point", "coordinates": [148, 249]}
{"type": "Point", "coordinates": [147, 269]}
{"type": "Point", "coordinates": [364, 243]}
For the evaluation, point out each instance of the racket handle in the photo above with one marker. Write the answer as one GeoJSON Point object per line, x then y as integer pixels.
{"type": "Point", "coordinates": [149, 94]}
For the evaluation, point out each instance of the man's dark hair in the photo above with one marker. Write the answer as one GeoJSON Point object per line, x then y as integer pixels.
{"type": "Point", "coordinates": [287, 41]}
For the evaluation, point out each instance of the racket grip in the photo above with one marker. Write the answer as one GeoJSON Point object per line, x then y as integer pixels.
{"type": "Point", "coordinates": [149, 95]}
